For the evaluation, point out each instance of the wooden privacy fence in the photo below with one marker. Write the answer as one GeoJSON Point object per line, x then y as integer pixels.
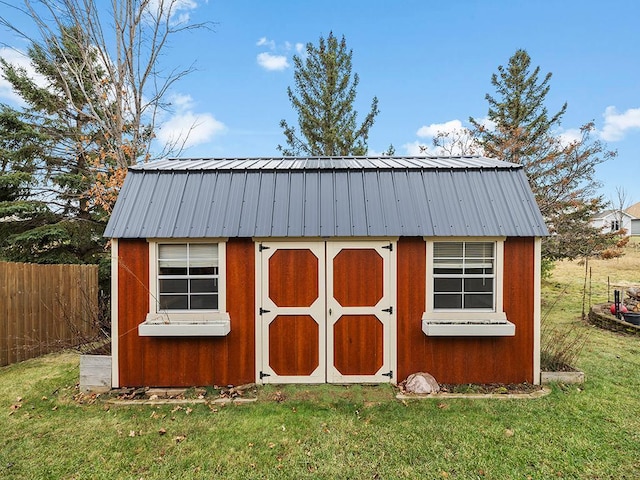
{"type": "Point", "coordinates": [44, 308]}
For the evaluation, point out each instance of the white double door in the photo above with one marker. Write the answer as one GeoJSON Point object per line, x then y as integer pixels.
{"type": "Point", "coordinates": [326, 311]}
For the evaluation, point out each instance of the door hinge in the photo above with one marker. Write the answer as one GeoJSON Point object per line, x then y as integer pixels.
{"type": "Point", "coordinates": [389, 374]}
{"type": "Point", "coordinates": [262, 247]}
{"type": "Point", "coordinates": [262, 310]}
{"type": "Point", "coordinates": [388, 310]}
{"type": "Point", "coordinates": [262, 374]}
{"type": "Point", "coordinates": [389, 247]}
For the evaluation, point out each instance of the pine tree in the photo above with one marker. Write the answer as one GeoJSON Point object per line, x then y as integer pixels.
{"type": "Point", "coordinates": [324, 97]}
{"type": "Point", "coordinates": [561, 174]}
{"type": "Point", "coordinates": [52, 147]}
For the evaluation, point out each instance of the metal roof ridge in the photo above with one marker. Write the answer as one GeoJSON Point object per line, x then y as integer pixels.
{"type": "Point", "coordinates": [396, 162]}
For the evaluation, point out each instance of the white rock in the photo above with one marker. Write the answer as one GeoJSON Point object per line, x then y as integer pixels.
{"type": "Point", "coordinates": [422, 383]}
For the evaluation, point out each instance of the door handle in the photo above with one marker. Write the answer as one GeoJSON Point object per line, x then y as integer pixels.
{"type": "Point", "coordinates": [329, 312]}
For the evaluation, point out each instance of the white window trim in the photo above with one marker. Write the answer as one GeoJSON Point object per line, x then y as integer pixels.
{"type": "Point", "coordinates": [460, 322]}
{"type": "Point", "coordinates": [186, 323]}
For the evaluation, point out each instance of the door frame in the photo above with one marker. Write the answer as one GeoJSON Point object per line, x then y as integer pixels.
{"type": "Point", "coordinates": [390, 339]}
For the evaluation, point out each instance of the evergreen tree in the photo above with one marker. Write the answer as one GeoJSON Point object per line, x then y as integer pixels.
{"type": "Point", "coordinates": [51, 149]}
{"type": "Point", "coordinates": [325, 92]}
{"type": "Point", "coordinates": [562, 174]}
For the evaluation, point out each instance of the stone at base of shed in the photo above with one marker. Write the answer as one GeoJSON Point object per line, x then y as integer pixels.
{"type": "Point", "coordinates": [95, 373]}
{"type": "Point", "coordinates": [561, 377]}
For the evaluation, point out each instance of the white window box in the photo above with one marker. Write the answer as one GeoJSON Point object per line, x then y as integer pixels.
{"type": "Point", "coordinates": [214, 324]}
{"type": "Point", "coordinates": [493, 327]}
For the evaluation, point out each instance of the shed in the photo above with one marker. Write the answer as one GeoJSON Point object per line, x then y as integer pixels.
{"type": "Point", "coordinates": [313, 270]}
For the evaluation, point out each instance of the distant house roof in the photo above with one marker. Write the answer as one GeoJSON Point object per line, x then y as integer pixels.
{"type": "Point", "coordinates": [325, 197]}
{"type": "Point", "coordinates": [611, 213]}
{"type": "Point", "coordinates": [634, 210]}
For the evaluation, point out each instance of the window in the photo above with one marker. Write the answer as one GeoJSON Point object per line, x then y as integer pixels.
{"type": "Point", "coordinates": [188, 276]}
{"type": "Point", "coordinates": [463, 275]}
{"type": "Point", "coordinates": [615, 225]}
{"type": "Point", "coordinates": [464, 288]}
{"type": "Point", "coordinates": [187, 289]}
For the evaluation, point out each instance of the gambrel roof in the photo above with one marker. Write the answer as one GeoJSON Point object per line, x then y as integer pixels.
{"type": "Point", "coordinates": [326, 197]}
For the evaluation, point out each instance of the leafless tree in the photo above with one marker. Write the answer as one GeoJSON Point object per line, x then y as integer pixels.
{"type": "Point", "coordinates": [128, 40]}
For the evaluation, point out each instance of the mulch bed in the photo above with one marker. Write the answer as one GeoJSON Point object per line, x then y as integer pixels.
{"type": "Point", "coordinates": [494, 388]}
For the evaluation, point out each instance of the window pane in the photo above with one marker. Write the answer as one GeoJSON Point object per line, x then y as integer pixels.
{"type": "Point", "coordinates": [478, 250]}
{"type": "Point", "coordinates": [447, 250]}
{"type": "Point", "coordinates": [447, 284]}
{"type": "Point", "coordinates": [174, 302]}
{"type": "Point", "coordinates": [204, 302]}
{"type": "Point", "coordinates": [479, 271]}
{"type": "Point", "coordinates": [203, 270]}
{"type": "Point", "coordinates": [203, 255]}
{"type": "Point", "coordinates": [447, 301]}
{"type": "Point", "coordinates": [445, 271]}
{"type": "Point", "coordinates": [478, 300]}
{"type": "Point", "coordinates": [173, 286]}
{"type": "Point", "coordinates": [167, 267]}
{"type": "Point", "coordinates": [472, 285]}
{"type": "Point", "coordinates": [204, 285]}
{"type": "Point", "coordinates": [172, 251]}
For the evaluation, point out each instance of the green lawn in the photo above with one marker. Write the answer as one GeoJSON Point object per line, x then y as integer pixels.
{"type": "Point", "coordinates": [591, 431]}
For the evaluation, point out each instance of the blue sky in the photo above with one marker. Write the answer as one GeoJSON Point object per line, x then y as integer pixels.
{"type": "Point", "coordinates": [428, 62]}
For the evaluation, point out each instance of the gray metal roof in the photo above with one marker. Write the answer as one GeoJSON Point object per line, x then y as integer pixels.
{"type": "Point", "coordinates": [326, 197]}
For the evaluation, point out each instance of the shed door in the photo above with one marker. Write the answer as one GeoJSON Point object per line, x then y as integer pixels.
{"type": "Point", "coordinates": [360, 312]}
{"type": "Point", "coordinates": [291, 313]}
{"type": "Point", "coordinates": [325, 312]}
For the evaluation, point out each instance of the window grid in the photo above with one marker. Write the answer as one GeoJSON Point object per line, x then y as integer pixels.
{"type": "Point", "coordinates": [188, 276]}
{"type": "Point", "coordinates": [464, 275]}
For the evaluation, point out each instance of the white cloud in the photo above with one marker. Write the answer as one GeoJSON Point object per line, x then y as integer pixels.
{"type": "Point", "coordinates": [300, 48]}
{"type": "Point", "coordinates": [265, 42]}
{"type": "Point", "coordinates": [18, 59]}
{"type": "Point", "coordinates": [272, 62]}
{"type": "Point", "coordinates": [187, 126]}
{"type": "Point", "coordinates": [430, 131]}
{"type": "Point", "coordinates": [567, 137]}
{"type": "Point", "coordinates": [616, 124]}
{"type": "Point", "coordinates": [180, 13]}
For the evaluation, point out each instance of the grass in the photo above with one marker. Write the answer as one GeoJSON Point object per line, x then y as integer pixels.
{"type": "Point", "coordinates": [591, 431]}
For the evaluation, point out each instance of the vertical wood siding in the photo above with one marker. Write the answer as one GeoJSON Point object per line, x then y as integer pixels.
{"type": "Point", "coordinates": [467, 359]}
{"type": "Point", "coordinates": [154, 361]}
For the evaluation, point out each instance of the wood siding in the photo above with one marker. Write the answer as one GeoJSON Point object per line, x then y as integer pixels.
{"type": "Point", "coordinates": [467, 359]}
{"type": "Point", "coordinates": [183, 362]}
{"type": "Point", "coordinates": [231, 359]}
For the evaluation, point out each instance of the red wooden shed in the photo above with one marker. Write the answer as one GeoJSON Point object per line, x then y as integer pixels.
{"type": "Point", "coordinates": [307, 270]}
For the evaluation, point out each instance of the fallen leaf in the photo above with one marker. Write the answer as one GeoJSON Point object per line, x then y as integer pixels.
{"type": "Point", "coordinates": [180, 438]}
{"type": "Point", "coordinates": [162, 431]}
{"type": "Point", "coordinates": [271, 445]}
{"type": "Point", "coordinates": [443, 406]}
{"type": "Point", "coordinates": [18, 399]}
{"type": "Point", "coordinates": [188, 410]}
{"type": "Point", "coordinates": [508, 432]}
{"type": "Point", "coordinates": [132, 433]}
